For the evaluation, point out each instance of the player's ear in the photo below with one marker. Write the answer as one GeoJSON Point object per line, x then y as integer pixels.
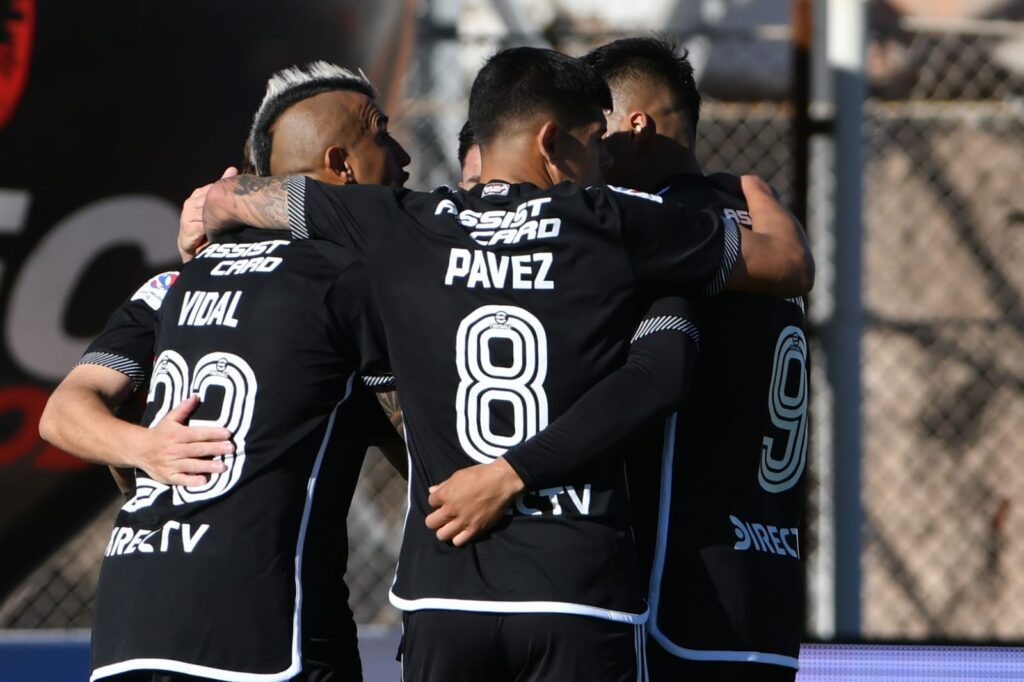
{"type": "Point", "coordinates": [546, 138]}
{"type": "Point", "coordinates": [642, 127]}
{"type": "Point", "coordinates": [336, 165]}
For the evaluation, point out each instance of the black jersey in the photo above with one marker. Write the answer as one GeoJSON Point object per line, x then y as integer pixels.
{"type": "Point", "coordinates": [502, 305]}
{"type": "Point", "coordinates": [721, 541]}
{"type": "Point", "coordinates": [128, 340]}
{"type": "Point", "coordinates": [240, 576]}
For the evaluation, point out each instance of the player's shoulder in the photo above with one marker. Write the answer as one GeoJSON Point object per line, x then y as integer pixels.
{"type": "Point", "coordinates": [320, 259]}
{"type": "Point", "coordinates": [154, 290]}
{"type": "Point", "coordinates": [698, 192]}
{"type": "Point", "coordinates": [617, 200]}
{"type": "Point", "coordinates": [634, 194]}
{"type": "Point", "coordinates": [356, 198]}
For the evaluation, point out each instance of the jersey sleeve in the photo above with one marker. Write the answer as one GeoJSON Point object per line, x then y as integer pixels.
{"type": "Point", "coordinates": [651, 383]}
{"type": "Point", "coordinates": [373, 420]}
{"type": "Point", "coordinates": [673, 248]}
{"type": "Point", "coordinates": [127, 341]}
{"type": "Point", "coordinates": [352, 216]}
{"type": "Point", "coordinates": [356, 329]}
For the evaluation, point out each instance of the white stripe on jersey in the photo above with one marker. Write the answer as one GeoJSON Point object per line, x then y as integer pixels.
{"type": "Point", "coordinates": [723, 656]}
{"type": "Point", "coordinates": [295, 187]}
{"type": "Point", "coordinates": [167, 665]}
{"type": "Point", "coordinates": [730, 254]}
{"type": "Point", "coordinates": [658, 570]}
{"type": "Point", "coordinates": [664, 506]}
{"type": "Point", "coordinates": [378, 380]}
{"type": "Point", "coordinates": [640, 648]}
{"type": "Point", "coordinates": [667, 323]}
{"type": "Point", "coordinates": [481, 606]}
{"type": "Point", "coordinates": [295, 667]}
{"type": "Point", "coordinates": [119, 363]}
{"type": "Point", "coordinates": [636, 193]}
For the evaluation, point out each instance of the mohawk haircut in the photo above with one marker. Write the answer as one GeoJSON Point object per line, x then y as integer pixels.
{"type": "Point", "coordinates": [658, 59]}
{"type": "Point", "coordinates": [521, 82]}
{"type": "Point", "coordinates": [466, 142]}
{"type": "Point", "coordinates": [290, 86]}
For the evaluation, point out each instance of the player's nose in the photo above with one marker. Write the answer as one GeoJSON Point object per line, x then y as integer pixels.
{"type": "Point", "coordinates": [402, 157]}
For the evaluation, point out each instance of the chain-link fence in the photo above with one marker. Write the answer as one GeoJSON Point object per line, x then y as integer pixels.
{"type": "Point", "coordinates": [942, 349]}
{"type": "Point", "coordinates": [943, 382]}
{"type": "Point", "coordinates": [943, 346]}
{"type": "Point", "coordinates": [59, 594]}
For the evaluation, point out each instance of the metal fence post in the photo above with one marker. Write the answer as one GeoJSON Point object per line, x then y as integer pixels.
{"type": "Point", "coordinates": [847, 24]}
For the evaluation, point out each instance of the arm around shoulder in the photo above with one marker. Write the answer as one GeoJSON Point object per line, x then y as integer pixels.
{"type": "Point", "coordinates": [79, 419]}
{"type": "Point", "coordinates": [79, 416]}
{"type": "Point", "coordinates": [775, 257]}
{"type": "Point", "coordinates": [246, 200]}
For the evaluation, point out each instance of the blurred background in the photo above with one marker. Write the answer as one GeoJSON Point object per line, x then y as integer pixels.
{"type": "Point", "coordinates": [894, 128]}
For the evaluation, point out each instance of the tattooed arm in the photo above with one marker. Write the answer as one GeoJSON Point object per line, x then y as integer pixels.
{"type": "Point", "coordinates": [393, 409]}
{"type": "Point", "coordinates": [246, 200]}
{"type": "Point", "coordinates": [395, 454]}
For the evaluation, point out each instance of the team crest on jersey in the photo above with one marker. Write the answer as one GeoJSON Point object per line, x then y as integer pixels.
{"type": "Point", "coordinates": [152, 292]}
{"type": "Point", "coordinates": [636, 193]}
{"type": "Point", "coordinates": [495, 189]}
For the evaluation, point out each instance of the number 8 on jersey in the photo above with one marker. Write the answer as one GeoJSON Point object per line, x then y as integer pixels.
{"type": "Point", "coordinates": [482, 383]}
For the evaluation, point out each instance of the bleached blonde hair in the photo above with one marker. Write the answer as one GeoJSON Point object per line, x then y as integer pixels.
{"type": "Point", "coordinates": [292, 85]}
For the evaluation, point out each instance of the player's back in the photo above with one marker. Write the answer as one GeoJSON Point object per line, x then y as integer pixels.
{"type": "Point", "coordinates": [726, 579]}
{"type": "Point", "coordinates": [215, 576]}
{"type": "Point", "coordinates": [502, 306]}
{"type": "Point", "coordinates": [520, 329]}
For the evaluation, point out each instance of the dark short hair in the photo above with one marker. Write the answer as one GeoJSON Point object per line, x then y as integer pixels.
{"type": "Point", "coordinates": [521, 82]}
{"type": "Point", "coordinates": [290, 86]}
{"type": "Point", "coordinates": [659, 59]}
{"type": "Point", "coordinates": [466, 142]}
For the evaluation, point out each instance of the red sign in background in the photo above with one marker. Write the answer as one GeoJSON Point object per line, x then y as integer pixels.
{"type": "Point", "coordinates": [17, 23]}
{"type": "Point", "coordinates": [110, 114]}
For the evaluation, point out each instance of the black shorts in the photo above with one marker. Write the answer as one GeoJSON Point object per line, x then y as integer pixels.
{"type": "Point", "coordinates": [665, 667]}
{"type": "Point", "coordinates": [462, 646]}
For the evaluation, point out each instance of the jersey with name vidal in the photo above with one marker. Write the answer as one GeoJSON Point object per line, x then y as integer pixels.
{"type": "Point", "coordinates": [234, 578]}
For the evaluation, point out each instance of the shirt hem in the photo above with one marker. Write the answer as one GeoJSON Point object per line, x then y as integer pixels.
{"type": "Point", "coordinates": [486, 606]}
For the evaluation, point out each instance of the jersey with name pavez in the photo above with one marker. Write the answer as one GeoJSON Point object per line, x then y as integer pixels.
{"type": "Point", "coordinates": [502, 305]}
{"type": "Point", "coordinates": [721, 540]}
{"type": "Point", "coordinates": [235, 578]}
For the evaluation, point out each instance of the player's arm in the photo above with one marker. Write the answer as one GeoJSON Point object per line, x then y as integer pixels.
{"type": "Point", "coordinates": [653, 381]}
{"type": "Point", "coordinates": [775, 257]}
{"type": "Point", "coordinates": [246, 200]}
{"type": "Point", "coordinates": [79, 416]}
{"type": "Point", "coordinates": [79, 419]}
{"type": "Point", "coordinates": [392, 448]}
{"type": "Point", "coordinates": [306, 207]}
{"type": "Point", "coordinates": [702, 252]}
{"type": "Point", "coordinates": [191, 235]}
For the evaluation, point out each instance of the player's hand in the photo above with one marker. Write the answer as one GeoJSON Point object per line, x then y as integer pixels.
{"type": "Point", "coordinates": [176, 454]}
{"type": "Point", "coordinates": [191, 231]}
{"type": "Point", "coordinates": [472, 500]}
